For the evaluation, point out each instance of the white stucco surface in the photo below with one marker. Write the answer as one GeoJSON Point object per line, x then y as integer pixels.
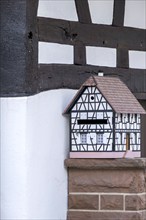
{"type": "Point", "coordinates": [101, 56]}
{"type": "Point", "coordinates": [34, 144]}
{"type": "Point", "coordinates": [135, 13]}
{"type": "Point", "coordinates": [55, 53]}
{"type": "Point", "coordinates": [101, 11]}
{"type": "Point", "coordinates": [61, 9]}
{"type": "Point", "coordinates": [13, 163]}
{"type": "Point", "coordinates": [137, 59]}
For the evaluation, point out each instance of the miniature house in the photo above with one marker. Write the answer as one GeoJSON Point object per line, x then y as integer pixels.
{"type": "Point", "coordinates": [104, 120]}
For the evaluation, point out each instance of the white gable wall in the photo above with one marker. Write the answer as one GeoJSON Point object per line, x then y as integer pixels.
{"type": "Point", "coordinates": [91, 105]}
{"type": "Point", "coordinates": [35, 134]}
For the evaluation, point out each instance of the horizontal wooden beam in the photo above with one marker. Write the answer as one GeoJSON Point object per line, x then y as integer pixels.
{"type": "Point", "coordinates": [68, 32]}
{"type": "Point", "coordinates": [56, 76]}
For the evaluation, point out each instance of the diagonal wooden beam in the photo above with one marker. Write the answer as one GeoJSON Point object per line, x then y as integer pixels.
{"type": "Point", "coordinates": [83, 11]}
{"type": "Point", "coordinates": [118, 12]}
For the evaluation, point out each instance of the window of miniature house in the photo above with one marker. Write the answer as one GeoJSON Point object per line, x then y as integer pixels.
{"type": "Point", "coordinates": [83, 137]}
{"type": "Point", "coordinates": [99, 138]}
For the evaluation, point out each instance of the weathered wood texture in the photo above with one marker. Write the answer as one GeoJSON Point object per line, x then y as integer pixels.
{"type": "Point", "coordinates": [122, 58]}
{"type": "Point", "coordinates": [18, 47]}
{"type": "Point", "coordinates": [68, 32]}
{"type": "Point", "coordinates": [54, 76]}
{"type": "Point", "coordinates": [118, 20]}
{"type": "Point", "coordinates": [83, 12]}
{"type": "Point", "coordinates": [79, 54]}
{"type": "Point", "coordinates": [119, 11]}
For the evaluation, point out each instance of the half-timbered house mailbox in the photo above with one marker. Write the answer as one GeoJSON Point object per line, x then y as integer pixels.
{"type": "Point", "coordinates": [105, 120]}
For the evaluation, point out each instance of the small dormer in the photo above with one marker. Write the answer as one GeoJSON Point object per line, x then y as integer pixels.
{"type": "Point", "coordinates": [104, 120]}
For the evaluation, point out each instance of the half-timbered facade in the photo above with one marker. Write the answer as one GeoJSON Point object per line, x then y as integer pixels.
{"type": "Point", "coordinates": [104, 120]}
{"type": "Point", "coordinates": [48, 49]}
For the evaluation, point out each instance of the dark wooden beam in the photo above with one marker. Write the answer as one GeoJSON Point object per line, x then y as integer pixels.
{"type": "Point", "coordinates": [68, 32]}
{"type": "Point", "coordinates": [118, 12]}
{"type": "Point", "coordinates": [79, 54]}
{"type": "Point", "coordinates": [118, 20]}
{"type": "Point", "coordinates": [122, 58]}
{"type": "Point", "coordinates": [83, 11]}
{"type": "Point", "coordinates": [55, 76]}
{"type": "Point", "coordinates": [18, 47]}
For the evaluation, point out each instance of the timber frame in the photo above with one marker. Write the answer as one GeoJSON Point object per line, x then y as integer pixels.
{"type": "Point", "coordinates": [27, 30]}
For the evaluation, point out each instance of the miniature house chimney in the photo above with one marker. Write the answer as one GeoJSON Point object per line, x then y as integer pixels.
{"type": "Point", "coordinates": [100, 73]}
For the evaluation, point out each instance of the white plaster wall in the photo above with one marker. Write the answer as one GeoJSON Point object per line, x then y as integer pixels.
{"type": "Point", "coordinates": [101, 11]}
{"type": "Point", "coordinates": [135, 13]}
{"type": "Point", "coordinates": [137, 59]}
{"type": "Point", "coordinates": [34, 145]}
{"type": "Point", "coordinates": [55, 53]}
{"type": "Point", "coordinates": [101, 56]}
{"type": "Point", "coordinates": [47, 148]}
{"type": "Point", "coordinates": [60, 9]}
{"type": "Point", "coordinates": [13, 163]}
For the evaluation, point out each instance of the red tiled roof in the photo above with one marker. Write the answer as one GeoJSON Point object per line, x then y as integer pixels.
{"type": "Point", "coordinates": [115, 92]}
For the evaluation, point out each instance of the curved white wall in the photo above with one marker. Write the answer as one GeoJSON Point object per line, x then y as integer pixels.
{"type": "Point", "coordinates": [13, 163]}
{"type": "Point", "coordinates": [34, 145]}
{"type": "Point", "coordinates": [47, 148]}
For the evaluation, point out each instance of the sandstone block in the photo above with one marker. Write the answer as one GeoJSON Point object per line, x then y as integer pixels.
{"type": "Point", "coordinates": [104, 216]}
{"type": "Point", "coordinates": [84, 202]}
{"type": "Point", "coordinates": [123, 181]}
{"type": "Point", "coordinates": [111, 202]}
{"type": "Point", "coordinates": [135, 202]}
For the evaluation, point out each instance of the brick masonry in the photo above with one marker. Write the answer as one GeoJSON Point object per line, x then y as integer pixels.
{"type": "Point", "coordinates": [106, 189]}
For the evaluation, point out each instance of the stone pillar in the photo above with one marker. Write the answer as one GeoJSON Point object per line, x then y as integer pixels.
{"type": "Point", "coordinates": [106, 189]}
